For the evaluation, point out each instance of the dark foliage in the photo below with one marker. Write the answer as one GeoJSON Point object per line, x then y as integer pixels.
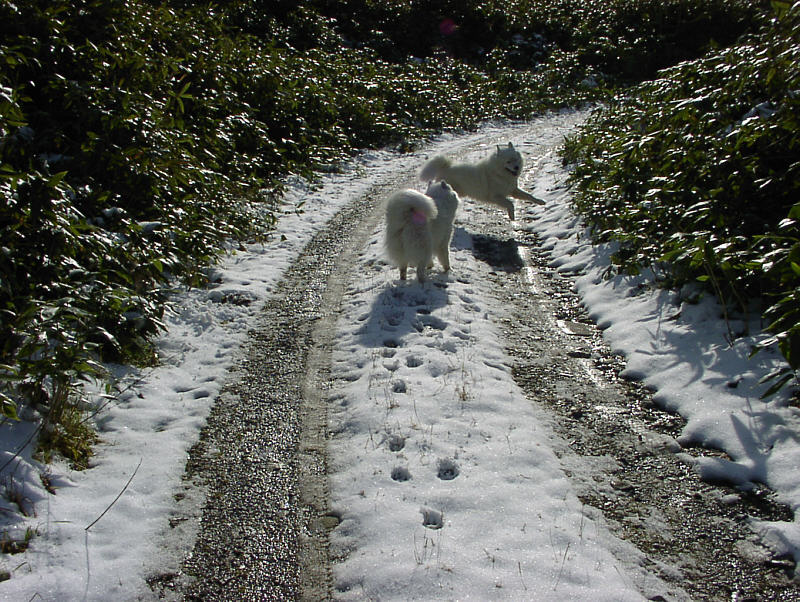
{"type": "Point", "coordinates": [698, 172]}
{"type": "Point", "coordinates": [137, 137]}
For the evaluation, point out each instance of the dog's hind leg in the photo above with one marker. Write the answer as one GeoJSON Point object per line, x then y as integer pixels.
{"type": "Point", "coordinates": [421, 271]}
{"type": "Point", "coordinates": [403, 271]}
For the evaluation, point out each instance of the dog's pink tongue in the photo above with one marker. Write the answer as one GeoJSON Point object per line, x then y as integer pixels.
{"type": "Point", "coordinates": [418, 217]}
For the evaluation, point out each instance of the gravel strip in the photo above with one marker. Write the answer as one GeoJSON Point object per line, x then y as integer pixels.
{"type": "Point", "coordinates": [260, 460]}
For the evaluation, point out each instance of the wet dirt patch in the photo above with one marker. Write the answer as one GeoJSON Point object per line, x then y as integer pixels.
{"type": "Point", "coordinates": [619, 448]}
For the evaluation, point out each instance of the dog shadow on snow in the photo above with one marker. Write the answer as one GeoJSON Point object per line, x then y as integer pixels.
{"type": "Point", "coordinates": [407, 307]}
{"type": "Point", "coordinates": [499, 254]}
{"type": "Point", "coordinates": [404, 307]}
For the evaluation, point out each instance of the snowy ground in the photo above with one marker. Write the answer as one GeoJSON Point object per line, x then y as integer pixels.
{"type": "Point", "coordinates": [442, 474]}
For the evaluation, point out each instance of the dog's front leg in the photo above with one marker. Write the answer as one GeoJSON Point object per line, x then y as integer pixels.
{"type": "Point", "coordinates": [444, 257]}
{"type": "Point", "coordinates": [518, 193]}
{"type": "Point", "coordinates": [506, 204]}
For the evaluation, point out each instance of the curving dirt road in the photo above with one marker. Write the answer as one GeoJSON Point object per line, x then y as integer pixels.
{"type": "Point", "coordinates": [256, 485]}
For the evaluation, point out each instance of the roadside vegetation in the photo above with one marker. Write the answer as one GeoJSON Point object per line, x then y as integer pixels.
{"type": "Point", "coordinates": [140, 139]}
{"type": "Point", "coordinates": [696, 173]}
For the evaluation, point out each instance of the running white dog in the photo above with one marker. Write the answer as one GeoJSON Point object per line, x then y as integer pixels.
{"type": "Point", "coordinates": [419, 226]}
{"type": "Point", "coordinates": [491, 180]}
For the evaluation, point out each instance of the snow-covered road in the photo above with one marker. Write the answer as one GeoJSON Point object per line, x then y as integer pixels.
{"type": "Point", "coordinates": [446, 478]}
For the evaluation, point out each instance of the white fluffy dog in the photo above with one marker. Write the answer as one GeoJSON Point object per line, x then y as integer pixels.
{"type": "Point", "coordinates": [419, 226]}
{"type": "Point", "coordinates": [491, 180]}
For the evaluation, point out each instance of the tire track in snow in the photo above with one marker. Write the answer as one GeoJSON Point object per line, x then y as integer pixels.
{"type": "Point", "coordinates": [256, 481]}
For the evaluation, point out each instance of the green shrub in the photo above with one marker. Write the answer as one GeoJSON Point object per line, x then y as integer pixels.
{"type": "Point", "coordinates": [630, 39]}
{"type": "Point", "coordinates": [136, 137]}
{"type": "Point", "coordinates": [112, 183]}
{"type": "Point", "coordinates": [698, 173]}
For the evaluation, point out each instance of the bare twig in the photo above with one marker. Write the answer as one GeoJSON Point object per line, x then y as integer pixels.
{"type": "Point", "coordinates": [561, 569]}
{"type": "Point", "coordinates": [119, 495]}
{"type": "Point", "coordinates": [24, 445]}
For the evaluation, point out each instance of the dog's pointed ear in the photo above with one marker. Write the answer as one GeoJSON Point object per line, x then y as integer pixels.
{"type": "Point", "coordinates": [510, 145]}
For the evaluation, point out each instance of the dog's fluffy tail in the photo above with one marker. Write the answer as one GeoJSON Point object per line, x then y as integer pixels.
{"type": "Point", "coordinates": [408, 235]}
{"type": "Point", "coordinates": [409, 207]}
{"type": "Point", "coordinates": [433, 169]}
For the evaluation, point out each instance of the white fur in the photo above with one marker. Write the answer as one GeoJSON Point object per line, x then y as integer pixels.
{"type": "Point", "coordinates": [491, 180]}
{"type": "Point", "coordinates": [414, 242]}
